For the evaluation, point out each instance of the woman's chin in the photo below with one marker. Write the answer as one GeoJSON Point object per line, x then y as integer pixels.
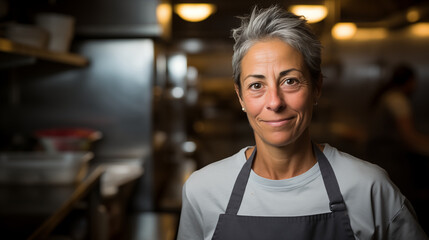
{"type": "Point", "coordinates": [283, 139]}
{"type": "Point", "coordinates": [279, 142]}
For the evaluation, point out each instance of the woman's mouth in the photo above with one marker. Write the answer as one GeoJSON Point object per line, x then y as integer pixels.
{"type": "Point", "coordinates": [278, 122]}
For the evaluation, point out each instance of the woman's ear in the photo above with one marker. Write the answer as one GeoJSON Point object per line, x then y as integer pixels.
{"type": "Point", "coordinates": [238, 92]}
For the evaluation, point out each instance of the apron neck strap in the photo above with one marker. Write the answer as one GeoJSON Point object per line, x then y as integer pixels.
{"type": "Point", "coordinates": [240, 186]}
{"type": "Point", "coordinates": [336, 202]}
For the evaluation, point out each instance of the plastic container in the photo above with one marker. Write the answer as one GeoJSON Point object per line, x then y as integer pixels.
{"type": "Point", "coordinates": [27, 34]}
{"type": "Point", "coordinates": [60, 28]}
{"type": "Point", "coordinates": [43, 168]}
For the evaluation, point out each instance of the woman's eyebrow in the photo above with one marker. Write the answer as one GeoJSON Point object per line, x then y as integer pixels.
{"type": "Point", "coordinates": [282, 74]}
{"type": "Point", "coordinates": [259, 76]}
{"type": "Point", "coordinates": [286, 72]}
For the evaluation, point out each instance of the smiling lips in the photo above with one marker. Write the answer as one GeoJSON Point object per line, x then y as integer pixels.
{"type": "Point", "coordinates": [279, 122]}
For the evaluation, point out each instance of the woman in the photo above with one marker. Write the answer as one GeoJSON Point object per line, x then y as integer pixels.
{"type": "Point", "coordinates": [286, 187]}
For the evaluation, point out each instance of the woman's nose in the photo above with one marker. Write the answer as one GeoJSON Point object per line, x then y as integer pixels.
{"type": "Point", "coordinates": [275, 101]}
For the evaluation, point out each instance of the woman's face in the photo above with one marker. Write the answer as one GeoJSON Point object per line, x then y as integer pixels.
{"type": "Point", "coordinates": [276, 92]}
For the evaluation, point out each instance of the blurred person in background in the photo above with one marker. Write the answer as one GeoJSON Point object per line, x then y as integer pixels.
{"type": "Point", "coordinates": [395, 144]}
{"type": "Point", "coordinates": [287, 186]}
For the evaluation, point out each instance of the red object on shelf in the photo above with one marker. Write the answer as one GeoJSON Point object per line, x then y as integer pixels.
{"type": "Point", "coordinates": [67, 139]}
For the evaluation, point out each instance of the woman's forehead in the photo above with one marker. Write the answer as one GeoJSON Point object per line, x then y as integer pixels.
{"type": "Point", "coordinates": [272, 53]}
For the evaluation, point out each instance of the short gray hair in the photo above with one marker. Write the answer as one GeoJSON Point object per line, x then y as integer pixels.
{"type": "Point", "coordinates": [275, 22]}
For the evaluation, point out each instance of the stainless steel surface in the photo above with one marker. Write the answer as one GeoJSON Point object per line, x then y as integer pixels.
{"type": "Point", "coordinates": [112, 95]}
{"type": "Point", "coordinates": [40, 168]}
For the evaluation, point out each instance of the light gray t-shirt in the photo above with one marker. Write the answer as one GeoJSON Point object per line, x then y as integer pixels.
{"type": "Point", "coordinates": [376, 208]}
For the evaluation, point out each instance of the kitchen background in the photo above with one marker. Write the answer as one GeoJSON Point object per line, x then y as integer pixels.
{"type": "Point", "coordinates": [158, 89]}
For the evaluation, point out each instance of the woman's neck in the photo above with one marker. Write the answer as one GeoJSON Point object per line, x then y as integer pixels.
{"type": "Point", "coordinates": [284, 162]}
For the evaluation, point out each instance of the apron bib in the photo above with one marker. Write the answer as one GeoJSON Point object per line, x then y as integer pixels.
{"type": "Point", "coordinates": [329, 226]}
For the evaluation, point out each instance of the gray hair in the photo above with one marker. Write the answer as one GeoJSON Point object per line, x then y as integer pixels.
{"type": "Point", "coordinates": [275, 22]}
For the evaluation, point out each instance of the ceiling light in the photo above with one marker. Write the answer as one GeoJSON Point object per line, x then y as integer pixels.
{"type": "Point", "coordinates": [313, 13]}
{"type": "Point", "coordinates": [413, 15]}
{"type": "Point", "coordinates": [342, 31]}
{"type": "Point", "coordinates": [163, 13]}
{"type": "Point", "coordinates": [194, 12]}
{"type": "Point", "coordinates": [420, 29]}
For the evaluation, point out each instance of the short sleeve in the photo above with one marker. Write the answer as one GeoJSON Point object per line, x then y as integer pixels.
{"type": "Point", "coordinates": [190, 226]}
{"type": "Point", "coordinates": [405, 226]}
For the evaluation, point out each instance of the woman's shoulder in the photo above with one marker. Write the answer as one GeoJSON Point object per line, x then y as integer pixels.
{"type": "Point", "coordinates": [351, 166]}
{"type": "Point", "coordinates": [372, 200]}
{"type": "Point", "coordinates": [222, 172]}
{"type": "Point", "coordinates": [224, 165]}
{"type": "Point", "coordinates": [357, 176]}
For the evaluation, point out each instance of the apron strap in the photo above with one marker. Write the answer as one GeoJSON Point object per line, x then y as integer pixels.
{"type": "Point", "coordinates": [336, 202]}
{"type": "Point", "coordinates": [240, 186]}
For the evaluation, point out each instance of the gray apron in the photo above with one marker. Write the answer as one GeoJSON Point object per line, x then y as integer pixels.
{"type": "Point", "coordinates": [329, 226]}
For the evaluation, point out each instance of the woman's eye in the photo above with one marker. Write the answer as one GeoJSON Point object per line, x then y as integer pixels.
{"type": "Point", "coordinates": [255, 86]}
{"type": "Point", "coordinates": [291, 81]}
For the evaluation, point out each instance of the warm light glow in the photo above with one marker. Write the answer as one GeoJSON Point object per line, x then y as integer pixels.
{"type": "Point", "coordinates": [313, 13]}
{"type": "Point", "coordinates": [194, 12]}
{"type": "Point", "coordinates": [413, 15]}
{"type": "Point", "coordinates": [342, 31]}
{"type": "Point", "coordinates": [370, 34]}
{"type": "Point", "coordinates": [420, 29]}
{"type": "Point", "coordinates": [163, 13]}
